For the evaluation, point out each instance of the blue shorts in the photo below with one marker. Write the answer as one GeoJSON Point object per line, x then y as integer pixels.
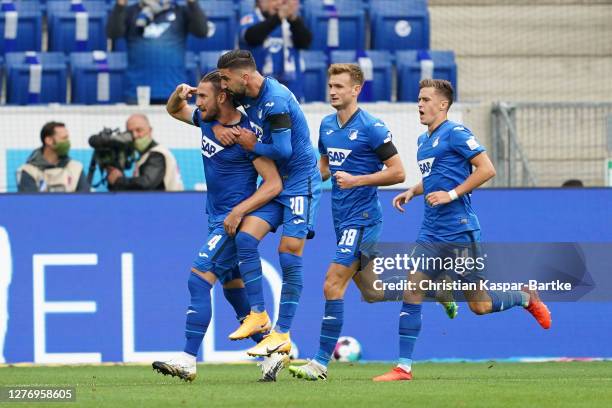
{"type": "Point", "coordinates": [296, 213]}
{"type": "Point", "coordinates": [355, 242]}
{"type": "Point", "coordinates": [463, 245]}
{"type": "Point", "coordinates": [218, 255]}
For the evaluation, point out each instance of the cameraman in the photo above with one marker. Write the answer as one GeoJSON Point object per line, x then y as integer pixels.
{"type": "Point", "coordinates": [156, 168]}
{"type": "Point", "coordinates": [49, 168]}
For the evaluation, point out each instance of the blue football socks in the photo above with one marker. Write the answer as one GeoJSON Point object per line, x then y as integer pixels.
{"type": "Point", "coordinates": [330, 330]}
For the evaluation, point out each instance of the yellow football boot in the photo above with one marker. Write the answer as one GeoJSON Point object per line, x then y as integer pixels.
{"type": "Point", "coordinates": [253, 323]}
{"type": "Point", "coordinates": [272, 343]}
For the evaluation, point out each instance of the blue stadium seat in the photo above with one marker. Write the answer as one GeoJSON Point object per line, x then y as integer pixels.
{"type": "Point", "coordinates": [382, 63]}
{"type": "Point", "coordinates": [192, 67]}
{"type": "Point", "coordinates": [315, 75]}
{"type": "Point", "coordinates": [409, 72]}
{"type": "Point", "coordinates": [62, 26]}
{"type": "Point", "coordinates": [84, 73]}
{"type": "Point", "coordinates": [245, 7]}
{"type": "Point", "coordinates": [351, 20]}
{"type": "Point", "coordinates": [54, 75]}
{"type": "Point", "coordinates": [208, 60]}
{"type": "Point", "coordinates": [29, 27]}
{"type": "Point", "coordinates": [400, 25]}
{"type": "Point", "coordinates": [222, 27]}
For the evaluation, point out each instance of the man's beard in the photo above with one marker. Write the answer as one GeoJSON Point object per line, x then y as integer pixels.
{"type": "Point", "coordinates": [238, 95]}
{"type": "Point", "coordinates": [211, 114]}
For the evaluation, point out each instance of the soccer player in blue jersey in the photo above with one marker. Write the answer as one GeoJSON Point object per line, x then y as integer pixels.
{"type": "Point", "coordinates": [231, 177]}
{"type": "Point", "coordinates": [358, 153]}
{"type": "Point", "coordinates": [446, 154]}
{"type": "Point", "coordinates": [282, 135]}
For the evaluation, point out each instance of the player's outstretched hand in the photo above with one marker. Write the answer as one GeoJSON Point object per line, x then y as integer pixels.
{"type": "Point", "coordinates": [246, 138]}
{"type": "Point", "coordinates": [185, 91]}
{"type": "Point", "coordinates": [231, 223]}
{"type": "Point", "coordinates": [227, 136]}
{"type": "Point", "coordinates": [401, 199]}
{"type": "Point", "coordinates": [438, 198]}
{"type": "Point", "coordinates": [345, 180]}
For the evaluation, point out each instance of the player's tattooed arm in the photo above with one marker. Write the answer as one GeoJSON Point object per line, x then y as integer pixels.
{"type": "Point", "coordinates": [393, 173]}
{"type": "Point", "coordinates": [177, 105]}
{"type": "Point", "coordinates": [271, 187]}
{"type": "Point", "coordinates": [324, 167]}
{"type": "Point", "coordinates": [483, 172]}
{"type": "Point", "coordinates": [403, 198]}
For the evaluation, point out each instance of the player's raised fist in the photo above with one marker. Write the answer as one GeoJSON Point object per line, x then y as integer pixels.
{"type": "Point", "coordinates": [401, 199]}
{"type": "Point", "coordinates": [185, 91]}
{"type": "Point", "coordinates": [345, 180]}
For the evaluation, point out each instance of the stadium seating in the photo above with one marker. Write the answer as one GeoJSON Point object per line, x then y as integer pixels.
{"type": "Point", "coordinates": [208, 60]}
{"type": "Point", "coordinates": [409, 72]}
{"type": "Point", "coordinates": [399, 25]}
{"type": "Point", "coordinates": [245, 7]}
{"type": "Point", "coordinates": [53, 78]}
{"type": "Point", "coordinates": [192, 67]}
{"type": "Point", "coordinates": [62, 24]}
{"type": "Point", "coordinates": [222, 27]}
{"type": "Point", "coordinates": [382, 63]}
{"type": "Point", "coordinates": [29, 28]}
{"type": "Point", "coordinates": [315, 75]}
{"type": "Point", "coordinates": [351, 23]}
{"type": "Point", "coordinates": [90, 88]}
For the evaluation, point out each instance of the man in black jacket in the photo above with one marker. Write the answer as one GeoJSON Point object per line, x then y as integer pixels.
{"type": "Point", "coordinates": [156, 168]}
{"type": "Point", "coordinates": [156, 33]}
{"type": "Point", "coordinates": [274, 32]}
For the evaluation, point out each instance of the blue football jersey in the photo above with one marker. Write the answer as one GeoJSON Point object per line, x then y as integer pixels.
{"type": "Point", "coordinates": [351, 148]}
{"type": "Point", "coordinates": [275, 99]}
{"type": "Point", "coordinates": [230, 175]}
{"type": "Point", "coordinates": [270, 56]}
{"type": "Point", "coordinates": [444, 160]}
{"type": "Point", "coordinates": [156, 56]}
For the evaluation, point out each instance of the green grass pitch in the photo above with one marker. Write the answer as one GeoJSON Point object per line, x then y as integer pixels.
{"type": "Point", "coordinates": [571, 384]}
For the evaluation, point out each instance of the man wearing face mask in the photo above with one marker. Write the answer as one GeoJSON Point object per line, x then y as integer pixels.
{"type": "Point", "coordinates": [156, 168]}
{"type": "Point", "coordinates": [49, 168]}
{"type": "Point", "coordinates": [274, 32]}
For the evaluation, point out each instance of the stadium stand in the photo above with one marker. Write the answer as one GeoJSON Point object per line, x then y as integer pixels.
{"type": "Point", "coordinates": [315, 75]}
{"type": "Point", "coordinates": [76, 27]}
{"type": "Point", "coordinates": [351, 18]}
{"type": "Point", "coordinates": [208, 60]}
{"type": "Point", "coordinates": [399, 24]}
{"type": "Point", "coordinates": [97, 77]}
{"type": "Point", "coordinates": [36, 78]}
{"type": "Point", "coordinates": [411, 66]}
{"type": "Point", "coordinates": [192, 66]}
{"type": "Point", "coordinates": [222, 27]}
{"type": "Point", "coordinates": [21, 25]}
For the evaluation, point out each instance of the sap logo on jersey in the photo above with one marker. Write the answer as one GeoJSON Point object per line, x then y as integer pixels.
{"type": "Point", "coordinates": [210, 148]}
{"type": "Point", "coordinates": [337, 156]}
{"type": "Point", "coordinates": [426, 165]}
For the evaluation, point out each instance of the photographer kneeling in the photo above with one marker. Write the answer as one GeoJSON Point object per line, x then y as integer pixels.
{"type": "Point", "coordinates": [156, 168]}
